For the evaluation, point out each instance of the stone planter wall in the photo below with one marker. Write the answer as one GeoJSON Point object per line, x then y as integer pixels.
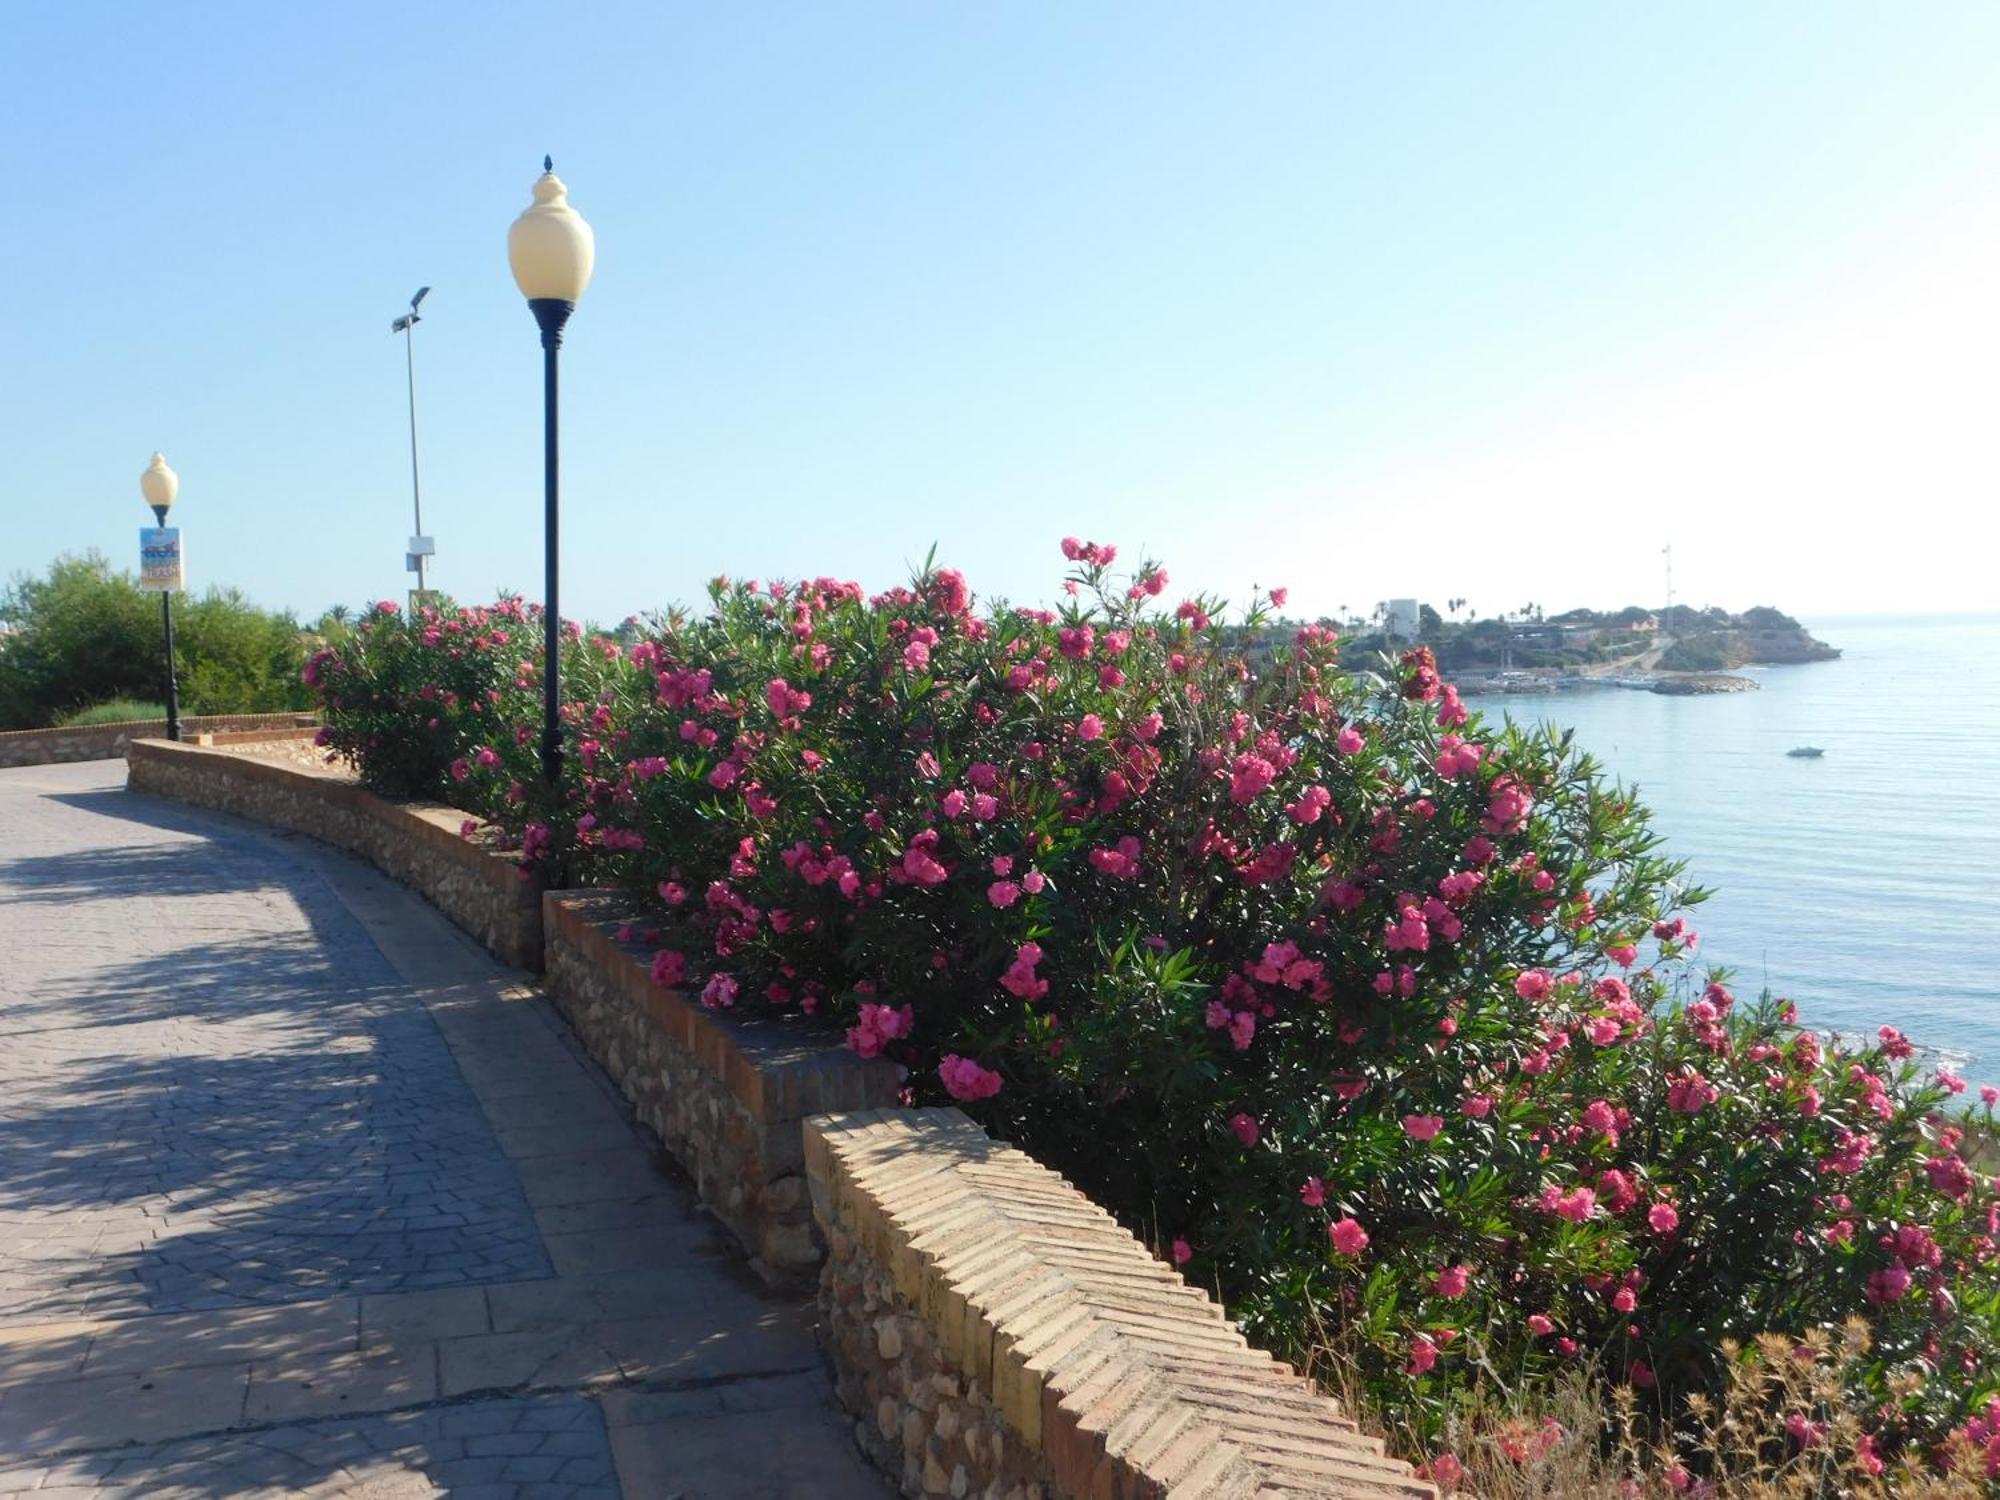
{"type": "Point", "coordinates": [996, 1334]}
{"type": "Point", "coordinates": [726, 1092]}
{"type": "Point", "coordinates": [418, 843]}
{"type": "Point", "coordinates": [41, 747]}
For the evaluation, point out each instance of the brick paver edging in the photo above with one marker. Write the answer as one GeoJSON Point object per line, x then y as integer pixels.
{"type": "Point", "coordinates": [727, 1092]}
{"type": "Point", "coordinates": [43, 747]}
{"type": "Point", "coordinates": [418, 843]}
{"type": "Point", "coordinates": [994, 1330]}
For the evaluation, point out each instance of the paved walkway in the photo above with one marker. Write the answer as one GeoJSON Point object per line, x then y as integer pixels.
{"type": "Point", "coordinates": [301, 1193]}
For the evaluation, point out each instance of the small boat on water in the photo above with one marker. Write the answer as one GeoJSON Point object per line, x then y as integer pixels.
{"type": "Point", "coordinates": [1806, 752]}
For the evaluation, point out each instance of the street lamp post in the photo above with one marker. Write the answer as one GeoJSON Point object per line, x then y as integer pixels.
{"type": "Point", "coordinates": [551, 251]}
{"type": "Point", "coordinates": [406, 325]}
{"type": "Point", "coordinates": [159, 484]}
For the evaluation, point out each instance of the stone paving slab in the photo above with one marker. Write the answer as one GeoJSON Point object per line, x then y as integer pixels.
{"type": "Point", "coordinates": [552, 1446]}
{"type": "Point", "coordinates": [303, 1194]}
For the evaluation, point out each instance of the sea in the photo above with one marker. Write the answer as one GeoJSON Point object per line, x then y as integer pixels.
{"type": "Point", "coordinates": [1865, 884]}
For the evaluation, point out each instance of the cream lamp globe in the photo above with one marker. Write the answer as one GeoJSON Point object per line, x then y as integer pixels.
{"type": "Point", "coordinates": [159, 484]}
{"type": "Point", "coordinates": [549, 247]}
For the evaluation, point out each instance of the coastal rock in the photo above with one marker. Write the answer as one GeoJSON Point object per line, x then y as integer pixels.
{"type": "Point", "coordinates": [1696, 684]}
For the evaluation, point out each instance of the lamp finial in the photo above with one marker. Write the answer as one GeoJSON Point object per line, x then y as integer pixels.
{"type": "Point", "coordinates": [548, 164]}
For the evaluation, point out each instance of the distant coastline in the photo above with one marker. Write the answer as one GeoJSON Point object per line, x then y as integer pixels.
{"type": "Point", "coordinates": [1678, 651]}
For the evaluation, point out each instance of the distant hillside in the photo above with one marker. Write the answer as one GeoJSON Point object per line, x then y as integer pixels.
{"type": "Point", "coordinates": [1716, 641]}
{"type": "Point", "coordinates": [1694, 640]}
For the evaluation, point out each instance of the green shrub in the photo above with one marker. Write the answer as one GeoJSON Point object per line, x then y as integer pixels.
{"type": "Point", "coordinates": [117, 711]}
{"type": "Point", "coordinates": [1380, 1018]}
{"type": "Point", "coordinates": [84, 634]}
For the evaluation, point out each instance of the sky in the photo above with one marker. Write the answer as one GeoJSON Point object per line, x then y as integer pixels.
{"type": "Point", "coordinates": [1454, 300]}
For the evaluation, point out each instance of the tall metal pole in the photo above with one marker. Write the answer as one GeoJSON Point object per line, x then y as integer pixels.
{"type": "Point", "coordinates": [167, 628]}
{"type": "Point", "coordinates": [416, 488]}
{"type": "Point", "coordinates": [551, 313]}
{"type": "Point", "coordinates": [173, 691]}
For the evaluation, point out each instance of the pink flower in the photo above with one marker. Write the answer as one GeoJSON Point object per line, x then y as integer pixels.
{"type": "Point", "coordinates": [1347, 1236]}
{"type": "Point", "coordinates": [1348, 741]}
{"type": "Point", "coordinates": [1890, 1284]}
{"type": "Point", "coordinates": [1456, 757]}
{"type": "Point", "coordinates": [880, 1024]}
{"type": "Point", "coordinates": [916, 656]}
{"type": "Point", "coordinates": [1578, 1205]}
{"type": "Point", "coordinates": [1020, 976]}
{"type": "Point", "coordinates": [719, 993]}
{"type": "Point", "coordinates": [1804, 1431]}
{"type": "Point", "coordinates": [965, 1080]}
{"type": "Point", "coordinates": [1444, 1471]}
{"type": "Point", "coordinates": [1540, 1326]}
{"type": "Point", "coordinates": [919, 866]}
{"type": "Point", "coordinates": [1182, 1252]}
{"type": "Point", "coordinates": [1422, 1127]}
{"type": "Point", "coordinates": [1312, 1192]}
{"type": "Point", "coordinates": [1423, 1354]}
{"type": "Point", "coordinates": [1246, 1128]}
{"type": "Point", "coordinates": [723, 776]}
{"type": "Point", "coordinates": [1478, 1106]}
{"type": "Point", "coordinates": [1950, 1176]}
{"type": "Point", "coordinates": [669, 967]}
{"type": "Point", "coordinates": [1250, 775]}
{"type": "Point", "coordinates": [1452, 1281]}
{"type": "Point", "coordinates": [1663, 1218]}
{"type": "Point", "coordinates": [1603, 1031]}
{"type": "Point", "coordinates": [1508, 804]}
{"type": "Point", "coordinates": [1690, 1093]}
{"type": "Point", "coordinates": [1090, 727]}
{"type": "Point", "coordinates": [1003, 893]}
{"type": "Point", "coordinates": [1313, 802]}
{"type": "Point", "coordinates": [1120, 862]}
{"type": "Point", "coordinates": [1535, 985]}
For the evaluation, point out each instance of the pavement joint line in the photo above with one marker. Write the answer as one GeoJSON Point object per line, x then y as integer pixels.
{"type": "Point", "coordinates": [523, 1391]}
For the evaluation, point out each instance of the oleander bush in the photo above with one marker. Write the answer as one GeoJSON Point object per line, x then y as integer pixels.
{"type": "Point", "coordinates": [1381, 1019]}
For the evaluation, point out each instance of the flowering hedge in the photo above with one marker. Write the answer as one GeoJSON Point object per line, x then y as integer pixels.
{"type": "Point", "coordinates": [1382, 1018]}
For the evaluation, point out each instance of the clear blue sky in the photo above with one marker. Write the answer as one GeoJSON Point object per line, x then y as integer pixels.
{"type": "Point", "coordinates": [1366, 300]}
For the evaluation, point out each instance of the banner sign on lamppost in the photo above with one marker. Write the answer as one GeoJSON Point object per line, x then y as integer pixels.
{"type": "Point", "coordinates": [160, 568]}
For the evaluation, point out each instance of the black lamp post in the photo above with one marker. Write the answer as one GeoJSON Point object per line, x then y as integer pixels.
{"type": "Point", "coordinates": [552, 252]}
{"type": "Point", "coordinates": [160, 484]}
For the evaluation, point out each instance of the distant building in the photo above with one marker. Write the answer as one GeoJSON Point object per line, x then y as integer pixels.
{"type": "Point", "coordinates": [1405, 619]}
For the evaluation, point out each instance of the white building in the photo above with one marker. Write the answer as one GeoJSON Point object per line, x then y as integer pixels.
{"type": "Point", "coordinates": [1404, 620]}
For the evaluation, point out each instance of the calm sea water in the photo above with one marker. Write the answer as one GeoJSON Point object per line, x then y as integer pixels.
{"type": "Point", "coordinates": [1864, 885]}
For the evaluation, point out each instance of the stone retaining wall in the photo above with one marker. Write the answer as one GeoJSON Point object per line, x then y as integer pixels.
{"type": "Point", "coordinates": [726, 1092]}
{"type": "Point", "coordinates": [418, 843]}
{"type": "Point", "coordinates": [996, 1334]}
{"type": "Point", "coordinates": [41, 747]}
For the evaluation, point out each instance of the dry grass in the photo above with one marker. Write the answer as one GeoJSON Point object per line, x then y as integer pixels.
{"type": "Point", "coordinates": [1564, 1444]}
